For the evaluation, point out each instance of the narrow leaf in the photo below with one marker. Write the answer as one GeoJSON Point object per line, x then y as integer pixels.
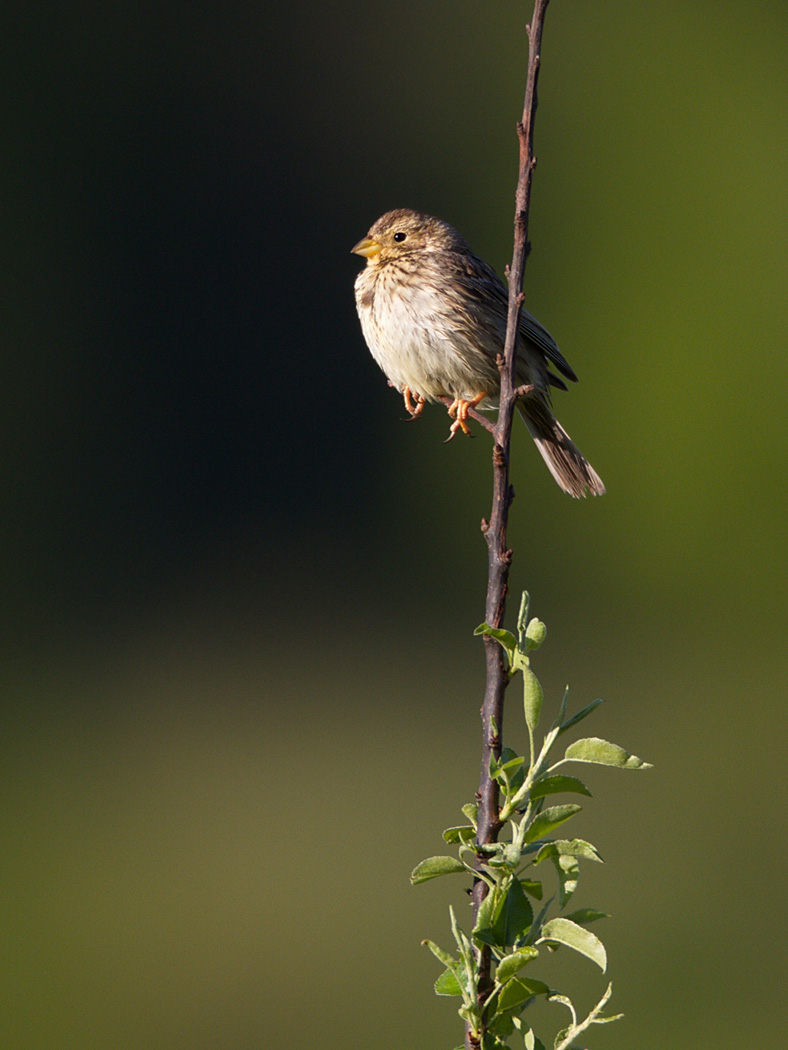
{"type": "Point", "coordinates": [442, 956]}
{"type": "Point", "coordinates": [603, 753]}
{"type": "Point", "coordinates": [461, 938]}
{"type": "Point", "coordinates": [564, 931]}
{"type": "Point", "coordinates": [580, 715]}
{"type": "Point", "coordinates": [433, 867]}
{"type": "Point", "coordinates": [552, 785]}
{"type": "Point", "coordinates": [532, 698]}
{"type": "Point", "coordinates": [550, 818]}
{"type": "Point", "coordinates": [561, 711]}
{"type": "Point", "coordinates": [585, 915]}
{"type": "Point", "coordinates": [522, 615]}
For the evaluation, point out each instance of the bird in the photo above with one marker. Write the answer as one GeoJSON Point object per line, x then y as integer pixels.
{"type": "Point", "coordinates": [434, 316]}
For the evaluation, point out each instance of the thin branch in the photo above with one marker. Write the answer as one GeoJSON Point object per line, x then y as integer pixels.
{"type": "Point", "coordinates": [499, 555]}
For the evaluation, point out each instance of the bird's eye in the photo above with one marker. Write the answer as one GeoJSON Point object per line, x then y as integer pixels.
{"type": "Point", "coordinates": [399, 237]}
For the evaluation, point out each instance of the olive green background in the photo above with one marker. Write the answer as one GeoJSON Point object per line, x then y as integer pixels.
{"type": "Point", "coordinates": [240, 687]}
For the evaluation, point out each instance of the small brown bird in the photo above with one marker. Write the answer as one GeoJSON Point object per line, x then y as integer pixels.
{"type": "Point", "coordinates": [434, 316]}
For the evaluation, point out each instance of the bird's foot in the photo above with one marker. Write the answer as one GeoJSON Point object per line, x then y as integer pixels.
{"type": "Point", "coordinates": [414, 410]}
{"type": "Point", "coordinates": [458, 410]}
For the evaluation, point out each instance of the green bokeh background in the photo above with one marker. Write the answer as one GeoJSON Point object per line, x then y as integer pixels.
{"type": "Point", "coordinates": [240, 691]}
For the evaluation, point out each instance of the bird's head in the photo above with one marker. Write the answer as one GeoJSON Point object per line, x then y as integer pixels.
{"type": "Point", "coordinates": [404, 231]}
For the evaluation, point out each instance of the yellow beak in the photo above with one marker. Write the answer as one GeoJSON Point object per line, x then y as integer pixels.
{"type": "Point", "coordinates": [367, 247]}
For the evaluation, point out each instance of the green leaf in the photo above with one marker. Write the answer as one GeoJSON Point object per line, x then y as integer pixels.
{"type": "Point", "coordinates": [552, 785]}
{"type": "Point", "coordinates": [511, 964]}
{"type": "Point", "coordinates": [603, 753]}
{"type": "Point", "coordinates": [484, 916]}
{"type": "Point", "coordinates": [517, 990]}
{"type": "Point", "coordinates": [561, 711]}
{"type": "Point", "coordinates": [509, 765]}
{"type": "Point", "coordinates": [504, 919]}
{"type": "Point", "coordinates": [560, 1037]}
{"type": "Point", "coordinates": [519, 662]}
{"type": "Point", "coordinates": [522, 615]}
{"type": "Point", "coordinates": [433, 867]}
{"type": "Point", "coordinates": [471, 811]}
{"type": "Point", "coordinates": [568, 871]}
{"type": "Point", "coordinates": [580, 715]}
{"type": "Point", "coordinates": [442, 956]}
{"type": "Point", "coordinates": [535, 634]}
{"type": "Point", "coordinates": [532, 698]}
{"type": "Point", "coordinates": [564, 931]}
{"type": "Point", "coordinates": [570, 848]}
{"type": "Point", "coordinates": [483, 849]}
{"type": "Point", "coordinates": [550, 818]}
{"type": "Point", "coordinates": [511, 855]}
{"type": "Point", "coordinates": [461, 937]}
{"type": "Point", "coordinates": [501, 1025]}
{"type": "Point", "coordinates": [508, 754]}
{"type": "Point", "coordinates": [584, 915]}
{"type": "Point", "coordinates": [463, 833]}
{"type": "Point", "coordinates": [447, 984]}
{"type": "Point", "coordinates": [532, 1041]}
{"type": "Point", "coordinates": [504, 638]}
{"type": "Point", "coordinates": [510, 771]}
{"type": "Point", "coordinates": [532, 888]}
{"type": "Point", "coordinates": [513, 916]}
{"type": "Point", "coordinates": [492, 1042]}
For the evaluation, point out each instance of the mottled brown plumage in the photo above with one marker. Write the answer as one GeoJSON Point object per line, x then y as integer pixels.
{"type": "Point", "coordinates": [434, 317]}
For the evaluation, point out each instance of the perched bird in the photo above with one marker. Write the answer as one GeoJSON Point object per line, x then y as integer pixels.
{"type": "Point", "coordinates": [434, 316]}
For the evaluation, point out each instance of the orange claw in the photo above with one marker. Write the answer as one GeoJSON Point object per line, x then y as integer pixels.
{"type": "Point", "coordinates": [414, 410]}
{"type": "Point", "coordinates": [458, 410]}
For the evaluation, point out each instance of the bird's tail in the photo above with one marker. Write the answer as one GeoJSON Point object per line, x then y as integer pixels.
{"type": "Point", "coordinates": [564, 459]}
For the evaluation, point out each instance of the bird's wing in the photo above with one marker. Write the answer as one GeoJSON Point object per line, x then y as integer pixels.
{"type": "Point", "coordinates": [481, 283]}
{"type": "Point", "coordinates": [537, 334]}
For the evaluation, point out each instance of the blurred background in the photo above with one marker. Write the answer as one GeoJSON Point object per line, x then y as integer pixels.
{"type": "Point", "coordinates": [240, 690]}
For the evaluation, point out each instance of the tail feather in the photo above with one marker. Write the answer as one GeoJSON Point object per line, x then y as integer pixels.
{"type": "Point", "coordinates": [564, 459]}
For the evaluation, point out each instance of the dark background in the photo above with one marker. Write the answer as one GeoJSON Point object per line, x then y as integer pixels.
{"type": "Point", "coordinates": [240, 689]}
